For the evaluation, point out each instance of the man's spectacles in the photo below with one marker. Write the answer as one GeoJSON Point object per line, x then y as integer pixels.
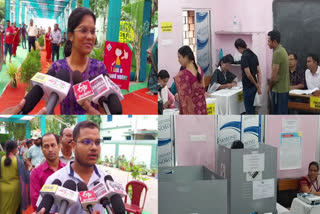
{"type": "Point", "coordinates": [84, 31]}
{"type": "Point", "coordinates": [90, 141]}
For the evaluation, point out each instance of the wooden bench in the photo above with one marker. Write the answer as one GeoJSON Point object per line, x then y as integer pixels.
{"type": "Point", "coordinates": [287, 191]}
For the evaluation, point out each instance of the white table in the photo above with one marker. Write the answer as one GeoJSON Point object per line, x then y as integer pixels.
{"type": "Point", "coordinates": [229, 101]}
{"type": "Point", "coordinates": [300, 207]}
{"type": "Point", "coordinates": [173, 111]}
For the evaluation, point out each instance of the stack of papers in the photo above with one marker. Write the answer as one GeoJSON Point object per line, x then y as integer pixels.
{"type": "Point", "coordinates": [300, 91]}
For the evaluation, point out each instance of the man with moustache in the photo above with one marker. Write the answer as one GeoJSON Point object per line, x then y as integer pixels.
{"type": "Point", "coordinates": [50, 147]}
{"type": "Point", "coordinates": [86, 138]}
{"type": "Point", "coordinates": [66, 153]}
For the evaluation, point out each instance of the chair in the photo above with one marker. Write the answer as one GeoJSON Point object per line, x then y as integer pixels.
{"type": "Point", "coordinates": [287, 191]}
{"type": "Point", "coordinates": [137, 188]}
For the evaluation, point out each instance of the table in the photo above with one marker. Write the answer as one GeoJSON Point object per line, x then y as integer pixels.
{"type": "Point", "coordinates": [229, 101]}
{"type": "Point", "coordinates": [173, 111]}
{"type": "Point", "coordinates": [302, 103]}
{"type": "Point", "coordinates": [300, 207]}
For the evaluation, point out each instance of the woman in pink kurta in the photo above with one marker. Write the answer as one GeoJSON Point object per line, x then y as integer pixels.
{"type": "Point", "coordinates": [190, 84]}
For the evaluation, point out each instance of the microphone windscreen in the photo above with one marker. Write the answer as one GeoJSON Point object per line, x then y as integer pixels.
{"type": "Point", "coordinates": [47, 202]}
{"type": "Point", "coordinates": [51, 72]}
{"type": "Point", "coordinates": [70, 184]}
{"type": "Point", "coordinates": [82, 187]}
{"type": "Point", "coordinates": [95, 183]}
{"type": "Point", "coordinates": [32, 99]}
{"type": "Point", "coordinates": [117, 204]}
{"type": "Point", "coordinates": [57, 182]}
{"type": "Point", "coordinates": [114, 104]}
{"type": "Point", "coordinates": [76, 77]}
{"type": "Point", "coordinates": [63, 75]}
{"type": "Point", "coordinates": [108, 177]}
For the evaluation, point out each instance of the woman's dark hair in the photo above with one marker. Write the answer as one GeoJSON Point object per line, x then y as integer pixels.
{"type": "Point", "coordinates": [74, 20]}
{"type": "Point", "coordinates": [186, 51]}
{"type": "Point", "coordinates": [237, 144]}
{"type": "Point", "coordinates": [226, 59]}
{"type": "Point", "coordinates": [240, 43]}
{"type": "Point", "coordinates": [314, 164]}
{"type": "Point", "coordinates": [163, 74]}
{"type": "Point", "coordinates": [10, 146]}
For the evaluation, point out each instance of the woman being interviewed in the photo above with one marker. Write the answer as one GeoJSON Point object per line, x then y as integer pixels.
{"type": "Point", "coordinates": [81, 39]}
{"type": "Point", "coordinates": [190, 84]}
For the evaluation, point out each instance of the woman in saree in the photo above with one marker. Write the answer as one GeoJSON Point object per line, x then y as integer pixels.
{"type": "Point", "coordinates": [310, 183]}
{"type": "Point", "coordinates": [190, 84]}
{"type": "Point", "coordinates": [48, 44]}
{"type": "Point", "coordinates": [16, 40]}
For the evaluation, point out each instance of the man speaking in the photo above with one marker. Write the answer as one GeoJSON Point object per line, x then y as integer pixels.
{"type": "Point", "coordinates": [86, 138]}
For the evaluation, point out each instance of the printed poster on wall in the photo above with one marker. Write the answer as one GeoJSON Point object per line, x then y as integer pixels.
{"type": "Point", "coordinates": [291, 151]}
{"type": "Point", "coordinates": [246, 128]}
{"type": "Point", "coordinates": [165, 141]}
{"type": "Point", "coordinates": [117, 59]}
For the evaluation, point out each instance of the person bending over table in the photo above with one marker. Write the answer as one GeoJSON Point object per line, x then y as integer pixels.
{"type": "Point", "coordinates": [222, 77]}
{"type": "Point", "coordinates": [310, 183]}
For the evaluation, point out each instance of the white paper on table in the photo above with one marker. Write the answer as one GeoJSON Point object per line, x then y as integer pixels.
{"type": "Point", "coordinates": [263, 189]}
{"type": "Point", "coordinates": [289, 125]}
{"type": "Point", "coordinates": [253, 162]}
{"type": "Point", "coordinates": [290, 151]}
{"type": "Point", "coordinates": [301, 91]}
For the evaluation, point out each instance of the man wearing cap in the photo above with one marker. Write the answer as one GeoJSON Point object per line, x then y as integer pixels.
{"type": "Point", "coordinates": [35, 154]}
{"type": "Point", "coordinates": [50, 147]}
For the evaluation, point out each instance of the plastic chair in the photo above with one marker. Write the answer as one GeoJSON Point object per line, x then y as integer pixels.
{"type": "Point", "coordinates": [137, 188]}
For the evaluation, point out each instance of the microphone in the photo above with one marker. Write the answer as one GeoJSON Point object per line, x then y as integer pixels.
{"type": "Point", "coordinates": [114, 87]}
{"type": "Point", "coordinates": [105, 96]}
{"type": "Point", "coordinates": [101, 193]}
{"type": "Point", "coordinates": [47, 193]}
{"type": "Point", "coordinates": [34, 96]}
{"type": "Point", "coordinates": [117, 204]}
{"type": "Point", "coordinates": [116, 192]}
{"type": "Point", "coordinates": [57, 89]}
{"type": "Point", "coordinates": [67, 195]}
{"type": "Point", "coordinates": [87, 198]}
{"type": "Point", "coordinates": [82, 89]}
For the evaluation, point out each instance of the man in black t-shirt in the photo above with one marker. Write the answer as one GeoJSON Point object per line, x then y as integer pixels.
{"type": "Point", "coordinates": [251, 75]}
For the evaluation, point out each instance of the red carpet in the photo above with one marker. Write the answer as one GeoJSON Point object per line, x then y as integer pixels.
{"type": "Point", "coordinates": [134, 103]}
{"type": "Point", "coordinates": [139, 102]}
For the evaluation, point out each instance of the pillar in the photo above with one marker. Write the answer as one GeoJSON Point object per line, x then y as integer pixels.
{"type": "Point", "coordinates": [114, 20]}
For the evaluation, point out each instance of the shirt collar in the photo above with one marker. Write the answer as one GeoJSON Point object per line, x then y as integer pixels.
{"type": "Point", "coordinates": [46, 165]}
{"type": "Point", "coordinates": [71, 171]}
{"type": "Point", "coordinates": [61, 155]}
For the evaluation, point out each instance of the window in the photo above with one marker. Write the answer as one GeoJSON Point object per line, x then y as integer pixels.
{"type": "Point", "coordinates": [189, 33]}
{"type": "Point", "coordinates": [107, 138]}
{"type": "Point", "coordinates": [128, 137]}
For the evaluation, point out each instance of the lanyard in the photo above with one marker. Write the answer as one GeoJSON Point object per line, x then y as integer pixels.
{"type": "Point", "coordinates": [317, 189]}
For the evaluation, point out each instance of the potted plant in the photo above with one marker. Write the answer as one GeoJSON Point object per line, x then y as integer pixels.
{"type": "Point", "coordinates": [106, 160]}
{"type": "Point", "coordinates": [30, 67]}
{"type": "Point", "coordinates": [41, 41]}
{"type": "Point", "coordinates": [12, 72]}
{"type": "Point", "coordinates": [111, 163]}
{"type": "Point", "coordinates": [154, 172]}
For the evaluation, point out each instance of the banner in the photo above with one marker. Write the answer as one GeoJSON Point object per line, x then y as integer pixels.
{"type": "Point", "coordinates": [165, 141]}
{"type": "Point", "coordinates": [117, 59]}
{"type": "Point", "coordinates": [246, 128]}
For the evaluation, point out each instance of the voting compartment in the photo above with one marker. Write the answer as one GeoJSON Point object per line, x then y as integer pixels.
{"type": "Point", "coordinates": [191, 189]}
{"type": "Point", "coordinates": [251, 176]}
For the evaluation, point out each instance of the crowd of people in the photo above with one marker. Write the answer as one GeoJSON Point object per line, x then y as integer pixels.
{"type": "Point", "coordinates": [190, 92]}
{"type": "Point", "coordinates": [14, 34]}
{"type": "Point", "coordinates": [42, 159]}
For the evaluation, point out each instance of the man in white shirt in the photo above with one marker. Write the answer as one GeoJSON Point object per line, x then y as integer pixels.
{"type": "Point", "coordinates": [32, 34]}
{"type": "Point", "coordinates": [55, 37]}
{"type": "Point", "coordinates": [313, 72]}
{"type": "Point", "coordinates": [66, 153]}
{"type": "Point", "coordinates": [87, 140]}
{"type": "Point", "coordinates": [35, 154]}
